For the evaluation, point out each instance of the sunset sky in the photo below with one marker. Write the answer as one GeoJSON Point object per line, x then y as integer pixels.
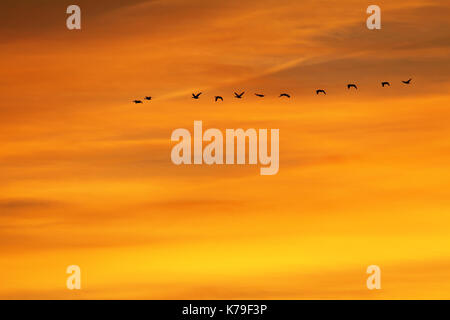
{"type": "Point", "coordinates": [86, 176]}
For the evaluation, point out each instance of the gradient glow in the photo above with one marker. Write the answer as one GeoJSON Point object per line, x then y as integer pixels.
{"type": "Point", "coordinates": [86, 176]}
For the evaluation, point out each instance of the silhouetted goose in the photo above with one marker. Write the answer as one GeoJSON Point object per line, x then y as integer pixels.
{"type": "Point", "coordinates": [137, 101]}
{"type": "Point", "coordinates": [195, 96]}
{"type": "Point", "coordinates": [218, 98]}
{"type": "Point", "coordinates": [148, 98]}
{"type": "Point", "coordinates": [239, 96]}
{"type": "Point", "coordinates": [351, 85]}
{"type": "Point", "coordinates": [259, 95]}
{"type": "Point", "coordinates": [385, 83]}
{"type": "Point", "coordinates": [407, 81]}
{"type": "Point", "coordinates": [320, 91]}
{"type": "Point", "coordinates": [284, 95]}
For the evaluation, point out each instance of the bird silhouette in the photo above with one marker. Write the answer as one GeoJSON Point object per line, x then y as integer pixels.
{"type": "Point", "coordinates": [407, 81]}
{"type": "Point", "coordinates": [385, 83]}
{"type": "Point", "coordinates": [239, 96]}
{"type": "Point", "coordinates": [148, 98]}
{"type": "Point", "coordinates": [351, 85]}
{"type": "Point", "coordinates": [320, 90]}
{"type": "Point", "coordinates": [218, 98]}
{"type": "Point", "coordinates": [137, 101]}
{"type": "Point", "coordinates": [259, 95]}
{"type": "Point", "coordinates": [195, 96]}
{"type": "Point", "coordinates": [284, 95]}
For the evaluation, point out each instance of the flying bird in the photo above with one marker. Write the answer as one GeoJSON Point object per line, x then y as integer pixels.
{"type": "Point", "coordinates": [320, 90]}
{"type": "Point", "coordinates": [218, 98]}
{"type": "Point", "coordinates": [259, 95]}
{"type": "Point", "coordinates": [239, 96]}
{"type": "Point", "coordinates": [383, 84]}
{"type": "Point", "coordinates": [137, 101]}
{"type": "Point", "coordinates": [284, 95]}
{"type": "Point", "coordinates": [351, 85]}
{"type": "Point", "coordinates": [148, 98]}
{"type": "Point", "coordinates": [407, 82]}
{"type": "Point", "coordinates": [195, 96]}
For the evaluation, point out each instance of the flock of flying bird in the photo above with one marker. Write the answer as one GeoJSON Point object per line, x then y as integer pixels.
{"type": "Point", "coordinates": [239, 96]}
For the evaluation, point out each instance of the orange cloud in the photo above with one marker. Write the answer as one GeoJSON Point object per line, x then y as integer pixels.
{"type": "Point", "coordinates": [87, 179]}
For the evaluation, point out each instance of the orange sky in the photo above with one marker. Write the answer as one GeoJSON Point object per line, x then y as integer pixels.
{"type": "Point", "coordinates": [86, 176]}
